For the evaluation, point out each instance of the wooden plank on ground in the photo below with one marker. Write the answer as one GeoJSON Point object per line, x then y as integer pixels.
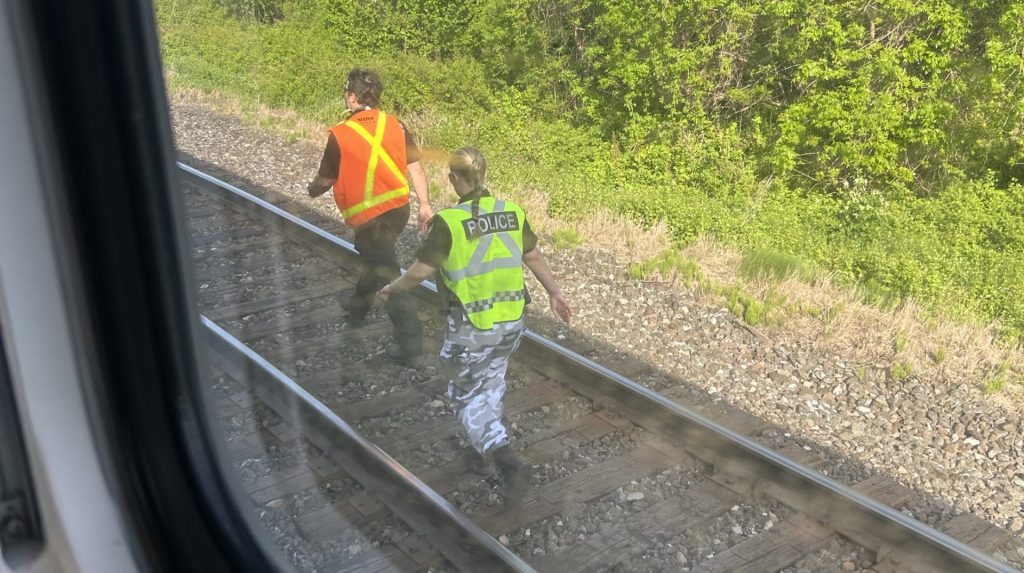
{"type": "Point", "coordinates": [967, 528]}
{"type": "Point", "coordinates": [622, 540]}
{"type": "Point", "coordinates": [215, 268]}
{"type": "Point", "coordinates": [325, 314]}
{"type": "Point", "coordinates": [334, 520]}
{"type": "Point", "coordinates": [289, 486]}
{"type": "Point", "coordinates": [280, 353]}
{"type": "Point", "coordinates": [408, 397]}
{"type": "Point", "coordinates": [329, 288]}
{"type": "Point", "coordinates": [388, 559]}
{"type": "Point", "coordinates": [771, 550]}
{"type": "Point", "coordinates": [201, 240]}
{"type": "Point", "coordinates": [229, 289]}
{"type": "Point", "coordinates": [976, 532]}
{"type": "Point", "coordinates": [522, 400]}
{"type": "Point", "coordinates": [796, 537]}
{"type": "Point", "coordinates": [561, 496]}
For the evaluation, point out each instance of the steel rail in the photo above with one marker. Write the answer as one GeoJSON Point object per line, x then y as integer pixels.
{"type": "Point", "coordinates": [864, 520]}
{"type": "Point", "coordinates": [457, 537]}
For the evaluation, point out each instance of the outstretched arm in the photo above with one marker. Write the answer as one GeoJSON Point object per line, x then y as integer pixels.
{"type": "Point", "coordinates": [412, 277]}
{"type": "Point", "coordinates": [538, 265]}
{"type": "Point", "coordinates": [418, 177]}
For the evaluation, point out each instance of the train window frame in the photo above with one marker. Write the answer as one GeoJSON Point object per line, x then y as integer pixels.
{"type": "Point", "coordinates": [100, 133]}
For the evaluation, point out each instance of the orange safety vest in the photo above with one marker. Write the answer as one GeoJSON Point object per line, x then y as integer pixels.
{"type": "Point", "coordinates": [371, 174]}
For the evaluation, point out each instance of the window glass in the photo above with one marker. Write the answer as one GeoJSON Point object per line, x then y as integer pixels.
{"type": "Point", "coordinates": [800, 223]}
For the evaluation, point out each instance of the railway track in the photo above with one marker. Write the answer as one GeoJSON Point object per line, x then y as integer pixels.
{"type": "Point", "coordinates": [354, 462]}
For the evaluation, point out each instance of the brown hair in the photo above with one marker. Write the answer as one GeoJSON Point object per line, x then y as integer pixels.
{"type": "Point", "coordinates": [366, 85]}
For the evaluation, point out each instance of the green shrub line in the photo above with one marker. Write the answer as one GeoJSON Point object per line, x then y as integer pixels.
{"type": "Point", "coordinates": [848, 166]}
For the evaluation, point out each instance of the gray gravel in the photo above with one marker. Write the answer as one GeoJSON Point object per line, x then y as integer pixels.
{"type": "Point", "coordinates": [944, 440]}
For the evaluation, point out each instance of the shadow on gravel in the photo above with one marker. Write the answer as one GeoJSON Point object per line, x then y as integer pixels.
{"type": "Point", "coordinates": [931, 509]}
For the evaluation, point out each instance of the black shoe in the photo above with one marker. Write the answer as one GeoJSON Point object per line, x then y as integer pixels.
{"type": "Point", "coordinates": [355, 315]}
{"type": "Point", "coordinates": [353, 321]}
{"type": "Point", "coordinates": [514, 474]}
{"type": "Point", "coordinates": [478, 463]}
{"type": "Point", "coordinates": [395, 352]}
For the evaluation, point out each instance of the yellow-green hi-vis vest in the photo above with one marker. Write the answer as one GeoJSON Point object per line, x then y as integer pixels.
{"type": "Point", "coordinates": [486, 273]}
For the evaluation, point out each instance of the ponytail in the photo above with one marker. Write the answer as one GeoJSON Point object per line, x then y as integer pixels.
{"type": "Point", "coordinates": [475, 212]}
{"type": "Point", "coordinates": [469, 164]}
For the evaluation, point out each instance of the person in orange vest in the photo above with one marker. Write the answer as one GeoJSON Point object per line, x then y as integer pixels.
{"type": "Point", "coordinates": [370, 161]}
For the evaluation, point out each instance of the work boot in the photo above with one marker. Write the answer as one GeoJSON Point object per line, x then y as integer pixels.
{"type": "Point", "coordinates": [514, 474]}
{"type": "Point", "coordinates": [395, 353]}
{"type": "Point", "coordinates": [477, 462]}
{"type": "Point", "coordinates": [355, 315]}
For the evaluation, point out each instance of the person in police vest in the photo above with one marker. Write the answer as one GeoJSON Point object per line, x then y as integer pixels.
{"type": "Point", "coordinates": [370, 160]}
{"type": "Point", "coordinates": [480, 246]}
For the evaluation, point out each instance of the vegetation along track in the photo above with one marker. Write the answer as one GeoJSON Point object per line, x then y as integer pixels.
{"type": "Point", "coordinates": [623, 479]}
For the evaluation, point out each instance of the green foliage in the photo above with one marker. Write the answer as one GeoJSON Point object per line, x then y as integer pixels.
{"type": "Point", "coordinates": [902, 370]}
{"type": "Point", "coordinates": [833, 311]}
{"type": "Point", "coordinates": [669, 264]}
{"type": "Point", "coordinates": [900, 342]}
{"type": "Point", "coordinates": [994, 384]}
{"type": "Point", "coordinates": [752, 310]}
{"type": "Point", "coordinates": [769, 263]}
{"type": "Point", "coordinates": [264, 11]}
{"type": "Point", "coordinates": [567, 238]}
{"type": "Point", "coordinates": [880, 142]}
{"type": "Point", "coordinates": [939, 355]}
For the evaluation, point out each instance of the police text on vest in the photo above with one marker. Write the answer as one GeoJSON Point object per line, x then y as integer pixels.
{"type": "Point", "coordinates": [492, 223]}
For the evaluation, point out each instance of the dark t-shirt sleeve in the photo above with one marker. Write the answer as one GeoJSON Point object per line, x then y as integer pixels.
{"type": "Point", "coordinates": [412, 151]}
{"type": "Point", "coordinates": [329, 164]}
{"type": "Point", "coordinates": [435, 248]}
{"type": "Point", "coordinates": [529, 238]}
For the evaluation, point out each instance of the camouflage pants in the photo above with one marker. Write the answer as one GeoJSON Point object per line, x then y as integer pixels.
{"type": "Point", "coordinates": [476, 361]}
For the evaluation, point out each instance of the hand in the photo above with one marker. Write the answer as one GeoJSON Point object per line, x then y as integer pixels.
{"type": "Point", "coordinates": [385, 292]}
{"type": "Point", "coordinates": [561, 308]}
{"type": "Point", "coordinates": [425, 214]}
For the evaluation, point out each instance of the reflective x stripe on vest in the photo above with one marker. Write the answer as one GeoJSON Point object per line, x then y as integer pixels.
{"type": "Point", "coordinates": [377, 155]}
{"type": "Point", "coordinates": [486, 274]}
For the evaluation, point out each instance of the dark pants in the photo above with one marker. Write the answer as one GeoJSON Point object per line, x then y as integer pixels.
{"type": "Point", "coordinates": [375, 241]}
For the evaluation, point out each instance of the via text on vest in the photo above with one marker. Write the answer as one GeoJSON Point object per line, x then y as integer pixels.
{"type": "Point", "coordinates": [492, 223]}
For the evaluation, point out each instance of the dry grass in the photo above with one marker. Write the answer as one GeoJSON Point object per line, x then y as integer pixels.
{"type": "Point", "coordinates": [940, 350]}
{"type": "Point", "coordinates": [284, 123]}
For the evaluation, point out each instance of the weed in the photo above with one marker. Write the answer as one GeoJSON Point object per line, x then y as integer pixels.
{"type": "Point", "coordinates": [833, 311]}
{"type": "Point", "coordinates": [994, 385]}
{"type": "Point", "coordinates": [877, 294]}
{"type": "Point", "coordinates": [755, 313]}
{"type": "Point", "coordinates": [939, 355]}
{"type": "Point", "coordinates": [901, 370]}
{"type": "Point", "coordinates": [764, 262]}
{"type": "Point", "coordinates": [566, 238]}
{"type": "Point", "coordinates": [900, 342]}
{"type": "Point", "coordinates": [638, 271]}
{"type": "Point", "coordinates": [669, 264]}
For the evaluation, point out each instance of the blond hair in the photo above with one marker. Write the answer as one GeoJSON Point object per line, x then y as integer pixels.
{"type": "Point", "coordinates": [469, 164]}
